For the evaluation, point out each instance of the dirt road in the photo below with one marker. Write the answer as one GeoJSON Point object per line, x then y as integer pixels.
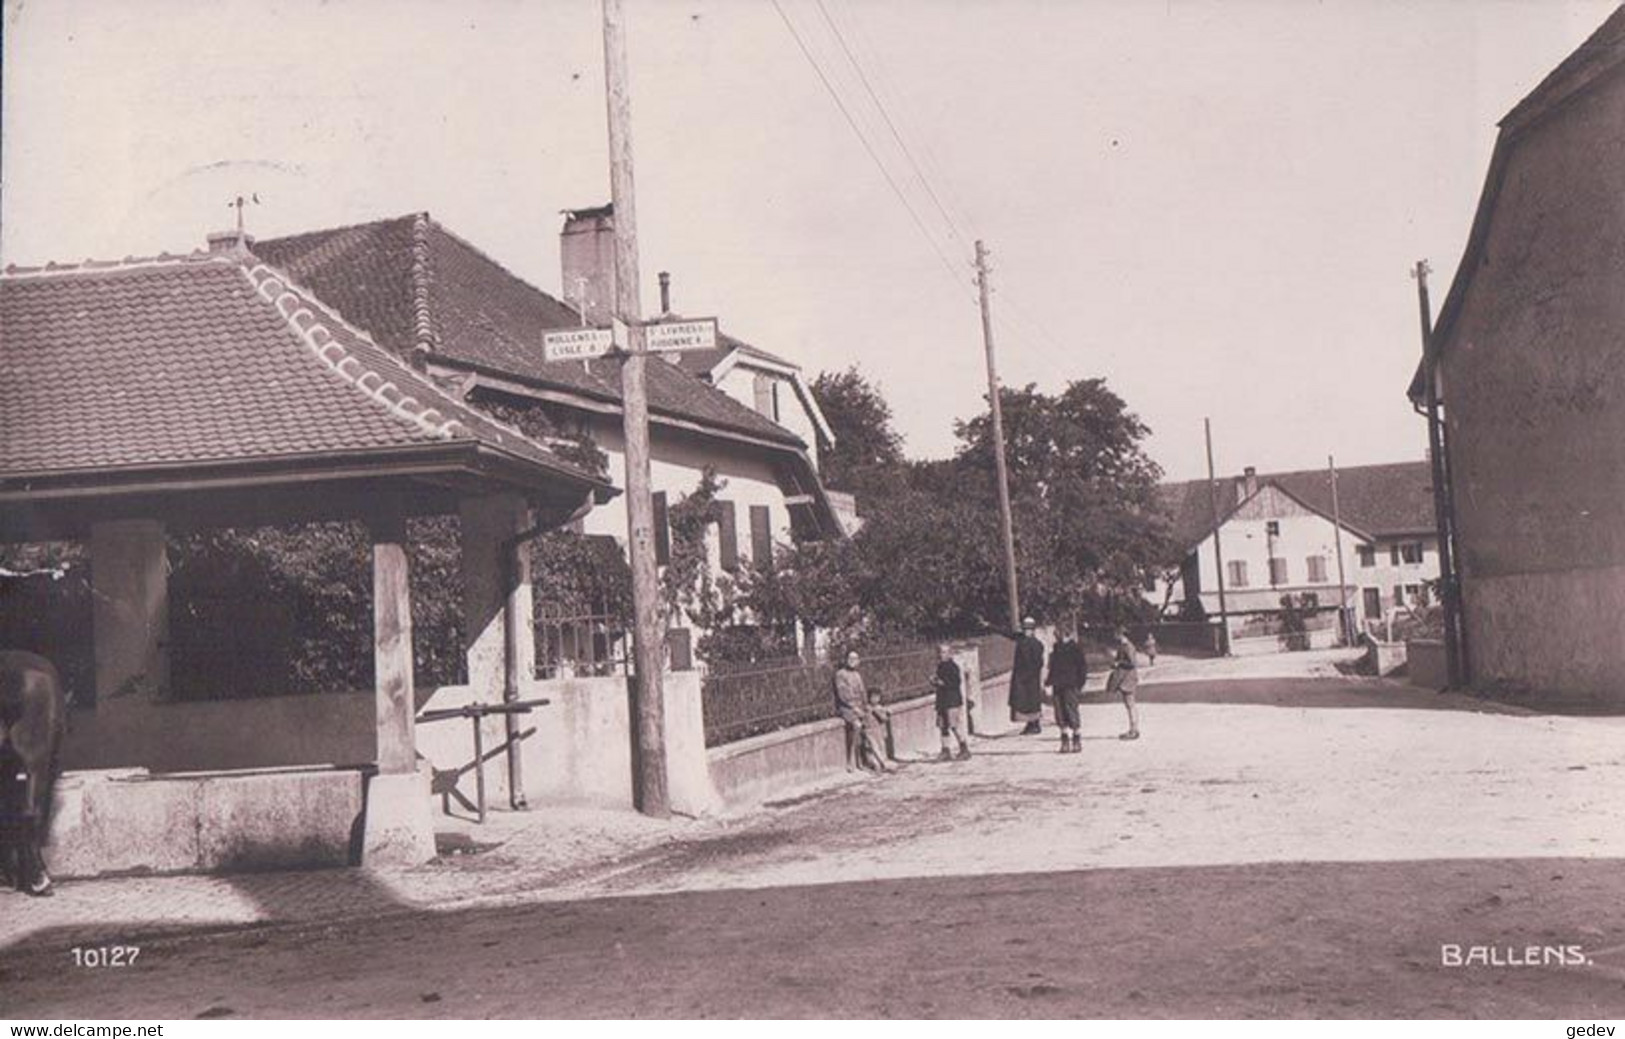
{"type": "Point", "coordinates": [1296, 848]}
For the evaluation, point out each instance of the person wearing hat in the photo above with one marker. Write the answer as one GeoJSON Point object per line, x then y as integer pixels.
{"type": "Point", "coordinates": [1026, 678]}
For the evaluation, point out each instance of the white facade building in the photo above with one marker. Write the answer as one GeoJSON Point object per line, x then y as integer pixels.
{"type": "Point", "coordinates": [1280, 534]}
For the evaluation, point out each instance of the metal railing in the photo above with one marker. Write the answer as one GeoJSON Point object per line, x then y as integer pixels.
{"type": "Point", "coordinates": [581, 645]}
{"type": "Point", "coordinates": [776, 695]}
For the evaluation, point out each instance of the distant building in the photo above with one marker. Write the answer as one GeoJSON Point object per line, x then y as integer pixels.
{"type": "Point", "coordinates": [1531, 348]}
{"type": "Point", "coordinates": [1277, 536]}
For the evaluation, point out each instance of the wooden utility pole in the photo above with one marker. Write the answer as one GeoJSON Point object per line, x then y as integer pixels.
{"type": "Point", "coordinates": [1444, 521]}
{"type": "Point", "coordinates": [1218, 548]}
{"type": "Point", "coordinates": [648, 637]}
{"type": "Point", "coordinates": [998, 442]}
{"type": "Point", "coordinates": [1337, 535]}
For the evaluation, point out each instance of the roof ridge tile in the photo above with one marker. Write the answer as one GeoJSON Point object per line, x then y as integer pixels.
{"type": "Point", "coordinates": [422, 278]}
{"type": "Point", "coordinates": [292, 303]}
{"type": "Point", "coordinates": [90, 267]}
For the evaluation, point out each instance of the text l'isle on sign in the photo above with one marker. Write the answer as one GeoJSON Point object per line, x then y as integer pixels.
{"type": "Point", "coordinates": [579, 344]}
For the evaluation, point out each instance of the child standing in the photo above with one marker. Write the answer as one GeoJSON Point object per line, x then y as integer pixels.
{"type": "Point", "coordinates": [1068, 669]}
{"type": "Point", "coordinates": [1125, 680]}
{"type": "Point", "coordinates": [948, 683]}
{"type": "Point", "coordinates": [877, 742]}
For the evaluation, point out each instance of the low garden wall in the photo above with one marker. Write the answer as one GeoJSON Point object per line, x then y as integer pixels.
{"type": "Point", "coordinates": [773, 764]}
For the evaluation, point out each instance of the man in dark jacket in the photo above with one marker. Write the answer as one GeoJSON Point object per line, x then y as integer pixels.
{"type": "Point", "coordinates": [948, 683]}
{"type": "Point", "coordinates": [1068, 670]}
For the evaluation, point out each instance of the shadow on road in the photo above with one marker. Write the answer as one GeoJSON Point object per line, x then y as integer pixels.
{"type": "Point", "coordinates": [1273, 940]}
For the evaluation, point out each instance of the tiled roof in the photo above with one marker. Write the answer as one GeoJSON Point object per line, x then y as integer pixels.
{"type": "Point", "coordinates": [413, 284]}
{"type": "Point", "coordinates": [209, 359]}
{"type": "Point", "coordinates": [1379, 500]}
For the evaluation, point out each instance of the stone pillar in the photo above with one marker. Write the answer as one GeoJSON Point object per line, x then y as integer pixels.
{"type": "Point", "coordinates": [398, 830]}
{"type": "Point", "coordinates": [130, 607]}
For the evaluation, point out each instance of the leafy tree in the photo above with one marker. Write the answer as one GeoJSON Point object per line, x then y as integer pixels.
{"type": "Point", "coordinates": [1089, 527]}
{"type": "Point", "coordinates": [861, 420]}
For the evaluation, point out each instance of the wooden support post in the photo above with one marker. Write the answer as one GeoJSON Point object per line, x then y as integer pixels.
{"type": "Point", "coordinates": [1006, 527]}
{"type": "Point", "coordinates": [648, 628]}
{"type": "Point", "coordinates": [392, 647]}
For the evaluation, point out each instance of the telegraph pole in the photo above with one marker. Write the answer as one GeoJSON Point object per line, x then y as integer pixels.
{"type": "Point", "coordinates": [648, 698]}
{"type": "Point", "coordinates": [1218, 549]}
{"type": "Point", "coordinates": [998, 442]}
{"type": "Point", "coordinates": [1337, 535]}
{"type": "Point", "coordinates": [1444, 521]}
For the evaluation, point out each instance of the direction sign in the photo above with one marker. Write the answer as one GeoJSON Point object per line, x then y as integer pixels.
{"type": "Point", "coordinates": [673, 336]}
{"type": "Point", "coordinates": [577, 344]}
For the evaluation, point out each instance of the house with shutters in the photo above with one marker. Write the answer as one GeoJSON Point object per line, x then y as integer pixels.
{"type": "Point", "coordinates": [465, 320]}
{"type": "Point", "coordinates": [1279, 534]}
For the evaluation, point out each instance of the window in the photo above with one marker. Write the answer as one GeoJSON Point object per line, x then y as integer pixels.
{"type": "Point", "coordinates": [728, 535]}
{"type": "Point", "coordinates": [761, 535]}
{"type": "Point", "coordinates": [1411, 552]}
{"type": "Point", "coordinates": [1393, 555]}
{"type": "Point", "coordinates": [1278, 571]}
{"type": "Point", "coordinates": [1373, 601]}
{"type": "Point", "coordinates": [1413, 595]}
{"type": "Point", "coordinates": [1272, 528]}
{"type": "Point", "coordinates": [1238, 573]}
{"type": "Point", "coordinates": [1368, 555]}
{"type": "Point", "coordinates": [662, 530]}
{"type": "Point", "coordinates": [1317, 569]}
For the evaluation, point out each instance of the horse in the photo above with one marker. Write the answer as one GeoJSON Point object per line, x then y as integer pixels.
{"type": "Point", "coordinates": [33, 718]}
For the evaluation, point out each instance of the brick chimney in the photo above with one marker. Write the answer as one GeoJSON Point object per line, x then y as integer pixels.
{"type": "Point", "coordinates": [587, 251]}
{"type": "Point", "coordinates": [226, 241]}
{"type": "Point", "coordinates": [1249, 478]}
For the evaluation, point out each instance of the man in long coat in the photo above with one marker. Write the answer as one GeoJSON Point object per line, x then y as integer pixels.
{"type": "Point", "coordinates": [1026, 679]}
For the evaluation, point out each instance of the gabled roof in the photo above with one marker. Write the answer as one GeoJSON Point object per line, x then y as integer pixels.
{"type": "Point", "coordinates": [704, 362]}
{"type": "Point", "coordinates": [1373, 500]}
{"type": "Point", "coordinates": [1602, 54]}
{"type": "Point", "coordinates": [210, 361]}
{"type": "Point", "coordinates": [418, 287]}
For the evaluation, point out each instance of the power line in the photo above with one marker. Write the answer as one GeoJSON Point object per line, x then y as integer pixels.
{"type": "Point", "coordinates": [873, 155]}
{"type": "Point", "coordinates": [890, 124]}
{"type": "Point", "coordinates": [932, 163]}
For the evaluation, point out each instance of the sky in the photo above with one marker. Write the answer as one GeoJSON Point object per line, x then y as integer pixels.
{"type": "Point", "coordinates": [1214, 207]}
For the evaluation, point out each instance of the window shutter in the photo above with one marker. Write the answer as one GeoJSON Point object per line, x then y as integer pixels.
{"type": "Point", "coordinates": [662, 530]}
{"type": "Point", "coordinates": [728, 534]}
{"type": "Point", "coordinates": [761, 535]}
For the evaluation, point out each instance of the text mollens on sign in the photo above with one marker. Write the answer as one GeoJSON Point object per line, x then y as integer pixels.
{"type": "Point", "coordinates": [694, 334]}
{"type": "Point", "coordinates": [577, 344]}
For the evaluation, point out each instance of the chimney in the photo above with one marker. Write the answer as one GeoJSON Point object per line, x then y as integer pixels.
{"type": "Point", "coordinates": [227, 241]}
{"type": "Point", "coordinates": [665, 292]}
{"type": "Point", "coordinates": [1250, 478]}
{"type": "Point", "coordinates": [587, 251]}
